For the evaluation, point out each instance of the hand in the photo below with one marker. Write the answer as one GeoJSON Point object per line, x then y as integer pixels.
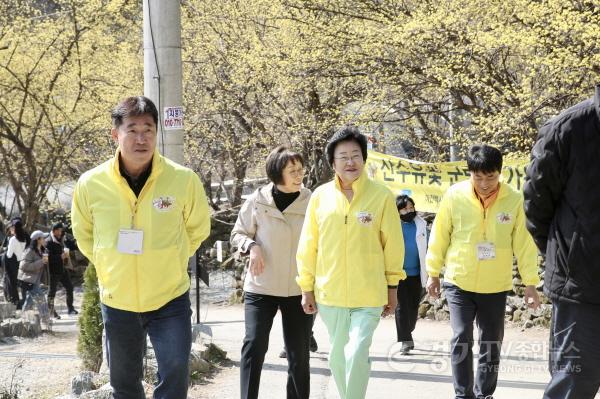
{"type": "Point", "coordinates": [257, 263]}
{"type": "Point", "coordinates": [390, 308]}
{"type": "Point", "coordinates": [308, 303]}
{"type": "Point", "coordinates": [45, 259]}
{"type": "Point", "coordinates": [433, 287]}
{"type": "Point", "coordinates": [65, 255]}
{"type": "Point", "coordinates": [531, 297]}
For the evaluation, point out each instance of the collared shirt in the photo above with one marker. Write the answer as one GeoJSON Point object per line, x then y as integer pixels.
{"type": "Point", "coordinates": [171, 211]}
{"type": "Point", "coordinates": [488, 201]}
{"type": "Point", "coordinates": [136, 184]}
{"type": "Point", "coordinates": [461, 224]}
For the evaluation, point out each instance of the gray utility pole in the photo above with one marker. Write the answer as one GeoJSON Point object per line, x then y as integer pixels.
{"type": "Point", "coordinates": [452, 117]}
{"type": "Point", "coordinates": [163, 74]}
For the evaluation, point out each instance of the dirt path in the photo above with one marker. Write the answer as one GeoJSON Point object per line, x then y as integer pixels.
{"type": "Point", "coordinates": [42, 367]}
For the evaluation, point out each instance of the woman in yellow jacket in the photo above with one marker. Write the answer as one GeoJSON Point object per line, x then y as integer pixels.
{"type": "Point", "coordinates": [350, 260]}
{"type": "Point", "coordinates": [479, 226]}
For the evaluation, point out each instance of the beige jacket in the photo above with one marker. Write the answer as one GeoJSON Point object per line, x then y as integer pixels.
{"type": "Point", "coordinates": [277, 234]}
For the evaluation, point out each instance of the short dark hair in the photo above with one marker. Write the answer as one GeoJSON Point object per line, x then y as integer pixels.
{"type": "Point", "coordinates": [133, 106]}
{"type": "Point", "coordinates": [348, 133]}
{"type": "Point", "coordinates": [277, 161]}
{"type": "Point", "coordinates": [403, 200]}
{"type": "Point", "coordinates": [57, 226]}
{"type": "Point", "coordinates": [484, 158]}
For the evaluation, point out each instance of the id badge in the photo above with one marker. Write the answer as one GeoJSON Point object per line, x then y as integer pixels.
{"type": "Point", "coordinates": [130, 241]}
{"type": "Point", "coordinates": [486, 250]}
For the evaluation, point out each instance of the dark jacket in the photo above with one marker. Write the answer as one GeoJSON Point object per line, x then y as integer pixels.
{"type": "Point", "coordinates": [562, 197]}
{"type": "Point", "coordinates": [55, 253]}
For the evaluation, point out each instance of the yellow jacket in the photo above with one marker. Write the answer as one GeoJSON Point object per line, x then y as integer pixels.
{"type": "Point", "coordinates": [461, 224]}
{"type": "Point", "coordinates": [171, 210]}
{"type": "Point", "coordinates": [350, 252]}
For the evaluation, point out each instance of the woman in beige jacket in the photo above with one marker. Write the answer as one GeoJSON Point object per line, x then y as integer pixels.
{"type": "Point", "coordinates": [267, 229]}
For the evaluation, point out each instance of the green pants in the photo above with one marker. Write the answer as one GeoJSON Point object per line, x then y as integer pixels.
{"type": "Point", "coordinates": [350, 335]}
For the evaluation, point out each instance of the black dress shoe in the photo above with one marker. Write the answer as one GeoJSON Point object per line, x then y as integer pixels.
{"type": "Point", "coordinates": [312, 346]}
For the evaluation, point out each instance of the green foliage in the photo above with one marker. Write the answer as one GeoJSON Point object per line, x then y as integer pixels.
{"type": "Point", "coordinates": [89, 344]}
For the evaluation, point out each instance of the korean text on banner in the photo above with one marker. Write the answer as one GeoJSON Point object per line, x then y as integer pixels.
{"type": "Point", "coordinates": [426, 183]}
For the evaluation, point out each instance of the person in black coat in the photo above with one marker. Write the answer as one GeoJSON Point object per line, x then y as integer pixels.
{"type": "Point", "coordinates": [561, 204]}
{"type": "Point", "coordinates": [57, 256]}
{"type": "Point", "coordinates": [17, 244]}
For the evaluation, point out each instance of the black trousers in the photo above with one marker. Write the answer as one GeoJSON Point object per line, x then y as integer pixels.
{"type": "Point", "coordinates": [487, 310]}
{"type": "Point", "coordinates": [259, 313]}
{"type": "Point", "coordinates": [409, 296]}
{"type": "Point", "coordinates": [574, 351]}
{"type": "Point", "coordinates": [11, 288]}
{"type": "Point", "coordinates": [65, 280]}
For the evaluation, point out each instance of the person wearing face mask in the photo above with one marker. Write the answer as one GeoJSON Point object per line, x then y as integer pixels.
{"type": "Point", "coordinates": [480, 224]}
{"type": "Point", "coordinates": [414, 231]}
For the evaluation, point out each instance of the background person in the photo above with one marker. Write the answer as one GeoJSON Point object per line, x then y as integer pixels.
{"type": "Point", "coordinates": [17, 244]}
{"type": "Point", "coordinates": [410, 290]}
{"type": "Point", "coordinates": [57, 257]}
{"type": "Point", "coordinates": [31, 268]}
{"type": "Point", "coordinates": [350, 259]}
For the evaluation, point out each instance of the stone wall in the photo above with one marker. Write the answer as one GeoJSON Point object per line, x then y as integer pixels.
{"type": "Point", "coordinates": [27, 324]}
{"type": "Point", "coordinates": [516, 311]}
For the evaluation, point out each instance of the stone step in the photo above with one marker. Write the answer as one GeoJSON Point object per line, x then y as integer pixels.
{"type": "Point", "coordinates": [7, 310]}
{"type": "Point", "coordinates": [28, 325]}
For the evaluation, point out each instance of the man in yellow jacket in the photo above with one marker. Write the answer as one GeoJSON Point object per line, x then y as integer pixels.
{"type": "Point", "coordinates": [350, 259]}
{"type": "Point", "coordinates": [138, 218]}
{"type": "Point", "coordinates": [479, 226]}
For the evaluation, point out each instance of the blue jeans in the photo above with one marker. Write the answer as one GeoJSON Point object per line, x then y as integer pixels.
{"type": "Point", "coordinates": [170, 331]}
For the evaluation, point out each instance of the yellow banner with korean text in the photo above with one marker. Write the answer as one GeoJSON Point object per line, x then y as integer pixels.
{"type": "Point", "coordinates": [426, 183]}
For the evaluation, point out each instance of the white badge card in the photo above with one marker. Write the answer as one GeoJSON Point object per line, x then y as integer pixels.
{"type": "Point", "coordinates": [130, 241]}
{"type": "Point", "coordinates": [486, 250]}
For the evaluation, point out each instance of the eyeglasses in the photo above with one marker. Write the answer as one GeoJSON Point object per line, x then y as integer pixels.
{"type": "Point", "coordinates": [146, 134]}
{"type": "Point", "coordinates": [296, 172]}
{"type": "Point", "coordinates": [353, 158]}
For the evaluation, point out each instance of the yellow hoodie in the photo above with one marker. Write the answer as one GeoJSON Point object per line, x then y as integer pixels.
{"type": "Point", "coordinates": [461, 224]}
{"type": "Point", "coordinates": [171, 210]}
{"type": "Point", "coordinates": [349, 252]}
